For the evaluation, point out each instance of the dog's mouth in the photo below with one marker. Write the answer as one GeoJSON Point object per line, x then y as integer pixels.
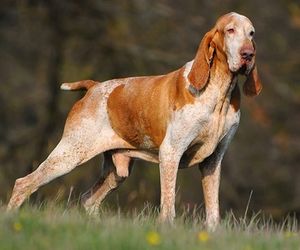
{"type": "Point", "coordinates": [243, 66]}
{"type": "Point", "coordinates": [243, 70]}
{"type": "Point", "coordinates": [246, 66]}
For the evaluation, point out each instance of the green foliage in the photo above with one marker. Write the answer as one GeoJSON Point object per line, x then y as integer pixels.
{"type": "Point", "coordinates": [53, 227]}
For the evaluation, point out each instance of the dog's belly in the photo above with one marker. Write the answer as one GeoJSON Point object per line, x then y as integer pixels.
{"type": "Point", "coordinates": [203, 145]}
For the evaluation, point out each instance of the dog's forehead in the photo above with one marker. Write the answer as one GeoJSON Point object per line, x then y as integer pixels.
{"type": "Point", "coordinates": [233, 18]}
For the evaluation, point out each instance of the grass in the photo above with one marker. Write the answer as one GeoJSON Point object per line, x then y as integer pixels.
{"type": "Point", "coordinates": [54, 227]}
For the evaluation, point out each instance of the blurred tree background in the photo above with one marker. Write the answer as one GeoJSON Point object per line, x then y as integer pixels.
{"type": "Point", "coordinates": [46, 42]}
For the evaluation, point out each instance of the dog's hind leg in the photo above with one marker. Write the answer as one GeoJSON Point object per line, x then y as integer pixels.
{"type": "Point", "coordinates": [68, 154]}
{"type": "Point", "coordinates": [115, 169]}
{"type": "Point", "coordinates": [87, 133]}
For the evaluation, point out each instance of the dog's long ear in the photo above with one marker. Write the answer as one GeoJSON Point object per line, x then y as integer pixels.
{"type": "Point", "coordinates": [252, 85]}
{"type": "Point", "coordinates": [199, 73]}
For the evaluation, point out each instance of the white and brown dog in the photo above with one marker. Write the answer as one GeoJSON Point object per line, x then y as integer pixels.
{"type": "Point", "coordinates": [181, 119]}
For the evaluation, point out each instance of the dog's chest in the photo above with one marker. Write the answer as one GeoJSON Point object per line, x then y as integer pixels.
{"type": "Point", "coordinates": [203, 125]}
{"type": "Point", "coordinates": [211, 137]}
{"type": "Point", "coordinates": [214, 128]}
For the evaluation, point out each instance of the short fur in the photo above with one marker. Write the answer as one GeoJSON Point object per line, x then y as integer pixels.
{"type": "Point", "coordinates": [185, 118]}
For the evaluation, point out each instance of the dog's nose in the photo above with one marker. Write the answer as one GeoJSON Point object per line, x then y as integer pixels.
{"type": "Point", "coordinates": [247, 53]}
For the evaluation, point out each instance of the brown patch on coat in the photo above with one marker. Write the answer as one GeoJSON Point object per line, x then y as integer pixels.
{"type": "Point", "coordinates": [140, 110]}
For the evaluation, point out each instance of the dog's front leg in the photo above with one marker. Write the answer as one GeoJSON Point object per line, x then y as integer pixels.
{"type": "Point", "coordinates": [169, 161]}
{"type": "Point", "coordinates": [211, 170]}
{"type": "Point", "coordinates": [168, 174]}
{"type": "Point", "coordinates": [210, 184]}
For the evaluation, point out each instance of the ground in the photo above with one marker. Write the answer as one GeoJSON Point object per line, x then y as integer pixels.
{"type": "Point", "coordinates": [57, 227]}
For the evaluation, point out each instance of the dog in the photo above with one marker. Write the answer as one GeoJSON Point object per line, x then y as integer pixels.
{"type": "Point", "coordinates": [184, 118]}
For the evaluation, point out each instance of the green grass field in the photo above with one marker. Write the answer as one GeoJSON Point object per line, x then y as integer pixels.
{"type": "Point", "coordinates": [53, 227]}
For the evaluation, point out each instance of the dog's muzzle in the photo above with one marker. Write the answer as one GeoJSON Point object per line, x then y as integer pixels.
{"type": "Point", "coordinates": [247, 54]}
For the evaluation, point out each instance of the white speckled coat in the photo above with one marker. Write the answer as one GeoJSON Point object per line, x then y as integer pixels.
{"type": "Point", "coordinates": [180, 119]}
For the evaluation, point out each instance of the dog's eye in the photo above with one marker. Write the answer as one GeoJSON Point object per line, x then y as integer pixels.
{"type": "Point", "coordinates": [252, 33]}
{"type": "Point", "coordinates": [230, 31]}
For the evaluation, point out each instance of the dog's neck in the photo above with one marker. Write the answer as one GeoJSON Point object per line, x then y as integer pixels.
{"type": "Point", "coordinates": [220, 74]}
{"type": "Point", "coordinates": [220, 78]}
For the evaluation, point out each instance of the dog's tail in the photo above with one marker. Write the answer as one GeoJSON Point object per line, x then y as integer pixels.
{"type": "Point", "coordinates": [85, 84]}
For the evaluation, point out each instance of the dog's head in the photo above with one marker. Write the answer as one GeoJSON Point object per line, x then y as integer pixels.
{"type": "Point", "coordinates": [231, 41]}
